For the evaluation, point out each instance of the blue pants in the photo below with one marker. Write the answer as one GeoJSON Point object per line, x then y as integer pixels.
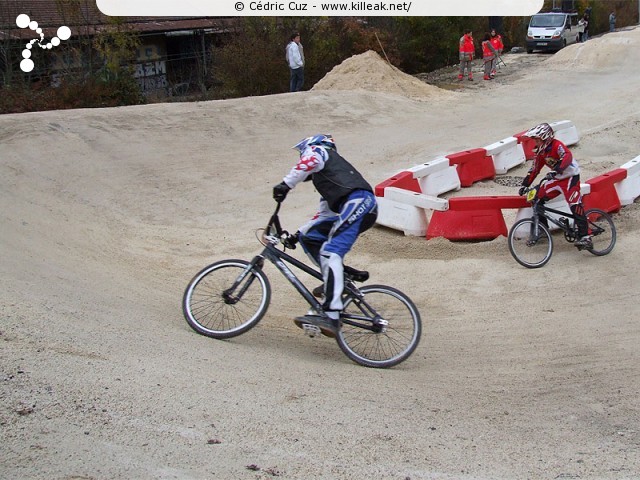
{"type": "Point", "coordinates": [330, 237]}
{"type": "Point", "coordinates": [297, 79]}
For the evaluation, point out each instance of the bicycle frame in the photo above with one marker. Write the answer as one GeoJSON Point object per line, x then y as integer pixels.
{"type": "Point", "coordinates": [229, 297]}
{"type": "Point", "coordinates": [569, 231]}
{"type": "Point", "coordinates": [545, 211]}
{"type": "Point", "coordinates": [280, 260]}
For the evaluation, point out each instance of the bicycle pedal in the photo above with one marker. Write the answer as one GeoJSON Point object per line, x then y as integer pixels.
{"type": "Point", "coordinates": [311, 330]}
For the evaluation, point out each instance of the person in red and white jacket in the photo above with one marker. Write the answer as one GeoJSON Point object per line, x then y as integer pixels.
{"type": "Point", "coordinates": [498, 46]}
{"type": "Point", "coordinates": [467, 50]}
{"type": "Point", "coordinates": [564, 177]}
{"type": "Point", "coordinates": [488, 56]}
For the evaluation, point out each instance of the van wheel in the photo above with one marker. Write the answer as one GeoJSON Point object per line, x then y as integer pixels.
{"type": "Point", "coordinates": [529, 51]}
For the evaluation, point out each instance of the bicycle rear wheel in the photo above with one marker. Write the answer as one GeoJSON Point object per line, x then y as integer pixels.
{"type": "Point", "coordinates": [361, 337]}
{"type": "Point", "coordinates": [226, 299]}
{"type": "Point", "coordinates": [529, 251]}
{"type": "Point", "coordinates": [603, 231]}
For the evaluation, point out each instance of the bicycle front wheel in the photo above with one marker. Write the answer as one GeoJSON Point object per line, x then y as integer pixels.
{"type": "Point", "coordinates": [603, 231]}
{"type": "Point", "coordinates": [226, 299]}
{"type": "Point", "coordinates": [372, 343]}
{"type": "Point", "coordinates": [530, 250]}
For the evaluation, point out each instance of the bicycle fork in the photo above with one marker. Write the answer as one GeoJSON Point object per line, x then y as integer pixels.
{"type": "Point", "coordinates": [535, 229]}
{"type": "Point", "coordinates": [228, 294]}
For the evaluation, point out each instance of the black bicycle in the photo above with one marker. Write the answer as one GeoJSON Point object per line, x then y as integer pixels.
{"type": "Point", "coordinates": [381, 326]}
{"type": "Point", "coordinates": [531, 243]}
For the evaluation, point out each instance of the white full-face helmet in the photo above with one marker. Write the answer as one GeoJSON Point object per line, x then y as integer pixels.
{"type": "Point", "coordinates": [544, 132]}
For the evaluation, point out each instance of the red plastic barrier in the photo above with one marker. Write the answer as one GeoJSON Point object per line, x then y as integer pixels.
{"type": "Point", "coordinates": [528, 145]}
{"type": "Point", "coordinates": [473, 218]}
{"type": "Point", "coordinates": [473, 165]}
{"type": "Point", "coordinates": [603, 191]}
{"type": "Point", "coordinates": [402, 180]}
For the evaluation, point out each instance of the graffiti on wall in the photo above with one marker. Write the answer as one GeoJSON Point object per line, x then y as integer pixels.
{"type": "Point", "coordinates": [152, 77]}
{"type": "Point", "coordinates": [151, 70]}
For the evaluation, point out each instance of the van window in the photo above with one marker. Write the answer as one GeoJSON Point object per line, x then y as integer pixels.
{"type": "Point", "coordinates": [547, 21]}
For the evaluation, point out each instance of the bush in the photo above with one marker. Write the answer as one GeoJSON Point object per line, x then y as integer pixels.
{"type": "Point", "coordinates": [91, 93]}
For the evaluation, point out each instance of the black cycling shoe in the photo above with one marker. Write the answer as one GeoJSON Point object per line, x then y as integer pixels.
{"type": "Point", "coordinates": [356, 275]}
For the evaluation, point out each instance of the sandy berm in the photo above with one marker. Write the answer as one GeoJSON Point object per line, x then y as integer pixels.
{"type": "Point", "coordinates": [106, 214]}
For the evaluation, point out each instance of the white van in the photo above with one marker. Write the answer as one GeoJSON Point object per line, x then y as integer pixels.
{"type": "Point", "coordinates": [552, 31]}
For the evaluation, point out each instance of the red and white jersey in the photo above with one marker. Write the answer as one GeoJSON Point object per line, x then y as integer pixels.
{"type": "Point", "coordinates": [558, 158]}
{"type": "Point", "coordinates": [312, 160]}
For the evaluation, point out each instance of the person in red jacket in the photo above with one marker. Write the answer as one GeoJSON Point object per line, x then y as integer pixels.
{"type": "Point", "coordinates": [498, 46]}
{"type": "Point", "coordinates": [467, 50]}
{"type": "Point", "coordinates": [489, 55]}
{"type": "Point", "coordinates": [564, 176]}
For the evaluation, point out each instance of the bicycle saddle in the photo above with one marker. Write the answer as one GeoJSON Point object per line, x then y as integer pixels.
{"type": "Point", "coordinates": [356, 275]}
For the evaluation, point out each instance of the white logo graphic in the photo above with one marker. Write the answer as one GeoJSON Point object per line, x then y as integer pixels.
{"type": "Point", "coordinates": [23, 21]}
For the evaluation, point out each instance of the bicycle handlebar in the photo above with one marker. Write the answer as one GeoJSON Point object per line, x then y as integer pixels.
{"type": "Point", "coordinates": [273, 232]}
{"type": "Point", "coordinates": [526, 191]}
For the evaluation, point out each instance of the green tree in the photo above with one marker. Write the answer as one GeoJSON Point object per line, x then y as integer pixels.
{"type": "Point", "coordinates": [117, 47]}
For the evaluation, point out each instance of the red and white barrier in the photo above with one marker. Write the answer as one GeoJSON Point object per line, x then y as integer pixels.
{"type": "Point", "coordinates": [402, 179]}
{"type": "Point", "coordinates": [527, 145]}
{"type": "Point", "coordinates": [437, 176]}
{"type": "Point", "coordinates": [629, 188]}
{"type": "Point", "coordinates": [473, 165]}
{"type": "Point", "coordinates": [408, 201]}
{"type": "Point", "coordinates": [473, 218]}
{"type": "Point", "coordinates": [407, 211]}
{"type": "Point", "coordinates": [603, 194]}
{"type": "Point", "coordinates": [506, 154]}
{"type": "Point", "coordinates": [566, 132]}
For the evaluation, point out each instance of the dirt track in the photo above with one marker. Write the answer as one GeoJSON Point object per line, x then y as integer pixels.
{"type": "Point", "coordinates": [107, 213]}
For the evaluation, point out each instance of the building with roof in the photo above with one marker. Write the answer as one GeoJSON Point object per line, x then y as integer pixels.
{"type": "Point", "coordinates": [172, 57]}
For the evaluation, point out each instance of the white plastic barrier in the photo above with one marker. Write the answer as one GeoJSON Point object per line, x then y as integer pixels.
{"type": "Point", "coordinates": [629, 188]}
{"type": "Point", "coordinates": [420, 200]}
{"type": "Point", "coordinates": [566, 132]}
{"type": "Point", "coordinates": [506, 154]}
{"type": "Point", "coordinates": [407, 211]}
{"type": "Point", "coordinates": [558, 203]}
{"type": "Point", "coordinates": [400, 216]}
{"type": "Point", "coordinates": [436, 176]}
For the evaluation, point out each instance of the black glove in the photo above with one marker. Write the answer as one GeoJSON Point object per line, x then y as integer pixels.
{"type": "Point", "coordinates": [280, 192]}
{"type": "Point", "coordinates": [522, 190]}
{"type": "Point", "coordinates": [290, 241]}
{"type": "Point", "coordinates": [550, 176]}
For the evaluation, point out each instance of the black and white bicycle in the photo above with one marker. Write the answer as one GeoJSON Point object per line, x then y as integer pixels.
{"type": "Point", "coordinates": [381, 326]}
{"type": "Point", "coordinates": [531, 243]}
